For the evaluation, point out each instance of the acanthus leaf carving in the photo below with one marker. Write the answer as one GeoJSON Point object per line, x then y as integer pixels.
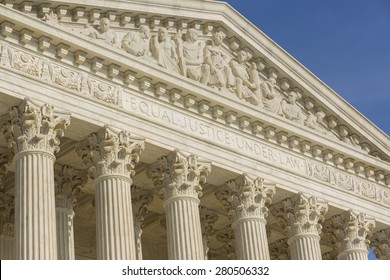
{"type": "Point", "coordinates": [179, 175]}
{"type": "Point", "coordinates": [348, 231]}
{"type": "Point", "coordinates": [246, 197]}
{"type": "Point", "coordinates": [35, 127]}
{"type": "Point", "coordinates": [300, 214]}
{"type": "Point", "coordinates": [109, 152]}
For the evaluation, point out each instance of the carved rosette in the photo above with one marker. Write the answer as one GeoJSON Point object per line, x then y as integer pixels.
{"type": "Point", "coordinates": [109, 152]}
{"type": "Point", "coordinates": [381, 241]}
{"type": "Point", "coordinates": [68, 183]}
{"type": "Point", "coordinates": [35, 128]}
{"type": "Point", "coordinates": [179, 175]}
{"type": "Point", "coordinates": [249, 197]}
{"type": "Point", "coordinates": [301, 214]}
{"type": "Point", "coordinates": [349, 231]}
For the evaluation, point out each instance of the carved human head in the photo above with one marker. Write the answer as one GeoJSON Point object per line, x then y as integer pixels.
{"type": "Point", "coordinates": [144, 31]}
{"type": "Point", "coordinates": [242, 56]}
{"type": "Point", "coordinates": [218, 37]}
{"type": "Point", "coordinates": [104, 24]}
{"type": "Point", "coordinates": [192, 35]}
{"type": "Point", "coordinates": [162, 33]}
{"type": "Point", "coordinates": [292, 97]}
{"type": "Point", "coordinates": [320, 115]}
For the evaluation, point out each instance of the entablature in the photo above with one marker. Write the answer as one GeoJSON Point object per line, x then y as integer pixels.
{"type": "Point", "coordinates": [78, 63]}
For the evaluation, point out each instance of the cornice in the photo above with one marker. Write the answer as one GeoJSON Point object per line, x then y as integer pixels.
{"type": "Point", "coordinates": [147, 78]}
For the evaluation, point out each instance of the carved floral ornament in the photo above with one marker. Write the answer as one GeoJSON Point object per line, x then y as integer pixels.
{"type": "Point", "coordinates": [245, 197]}
{"type": "Point", "coordinates": [179, 175]}
{"type": "Point", "coordinates": [109, 152]}
{"type": "Point", "coordinates": [35, 127]}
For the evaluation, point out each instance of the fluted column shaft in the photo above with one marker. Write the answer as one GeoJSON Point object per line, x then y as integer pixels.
{"type": "Point", "coordinates": [180, 178]}
{"type": "Point", "coordinates": [33, 133]}
{"type": "Point", "coordinates": [305, 247]}
{"type": "Point", "coordinates": [354, 254]}
{"type": "Point", "coordinates": [111, 156]}
{"type": "Point", "coordinates": [65, 234]}
{"type": "Point", "coordinates": [35, 220]}
{"type": "Point", "coordinates": [246, 199]}
{"type": "Point", "coordinates": [183, 229]}
{"type": "Point", "coordinates": [299, 216]}
{"type": "Point", "coordinates": [251, 239]}
{"type": "Point", "coordinates": [114, 224]}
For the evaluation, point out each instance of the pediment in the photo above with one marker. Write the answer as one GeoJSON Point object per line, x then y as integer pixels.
{"type": "Point", "coordinates": [257, 86]}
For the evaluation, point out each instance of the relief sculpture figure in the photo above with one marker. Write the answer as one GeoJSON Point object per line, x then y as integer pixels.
{"type": "Point", "coordinates": [271, 99]}
{"type": "Point", "coordinates": [191, 57]}
{"type": "Point", "coordinates": [104, 33]}
{"type": "Point", "coordinates": [164, 50]}
{"type": "Point", "coordinates": [315, 121]}
{"type": "Point", "coordinates": [290, 108]}
{"type": "Point", "coordinates": [221, 75]}
{"type": "Point", "coordinates": [137, 43]}
{"type": "Point", "coordinates": [247, 81]}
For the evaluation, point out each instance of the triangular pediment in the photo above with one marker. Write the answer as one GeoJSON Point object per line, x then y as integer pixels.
{"type": "Point", "coordinates": [247, 80]}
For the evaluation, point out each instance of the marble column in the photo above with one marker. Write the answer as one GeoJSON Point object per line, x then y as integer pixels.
{"type": "Point", "coordinates": [112, 156]}
{"type": "Point", "coordinates": [180, 178]}
{"type": "Point", "coordinates": [68, 182]}
{"type": "Point", "coordinates": [248, 199]}
{"type": "Point", "coordinates": [33, 133]}
{"type": "Point", "coordinates": [348, 233]}
{"type": "Point", "coordinates": [299, 216]}
{"type": "Point", "coordinates": [140, 202]}
{"type": "Point", "coordinates": [381, 242]}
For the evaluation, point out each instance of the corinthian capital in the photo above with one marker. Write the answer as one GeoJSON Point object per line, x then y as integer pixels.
{"type": "Point", "coordinates": [68, 182]}
{"type": "Point", "coordinates": [249, 197]}
{"type": "Point", "coordinates": [179, 175]}
{"type": "Point", "coordinates": [381, 241]}
{"type": "Point", "coordinates": [109, 152]}
{"type": "Point", "coordinates": [35, 127]}
{"type": "Point", "coordinates": [349, 230]}
{"type": "Point", "coordinates": [301, 214]}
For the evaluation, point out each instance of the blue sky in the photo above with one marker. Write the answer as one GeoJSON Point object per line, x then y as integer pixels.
{"type": "Point", "coordinates": [345, 43]}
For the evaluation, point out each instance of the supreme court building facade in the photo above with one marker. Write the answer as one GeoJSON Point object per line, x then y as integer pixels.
{"type": "Point", "coordinates": [166, 129]}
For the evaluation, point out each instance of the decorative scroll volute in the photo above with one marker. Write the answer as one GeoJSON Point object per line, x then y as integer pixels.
{"type": "Point", "coordinates": [108, 152]}
{"type": "Point", "coordinates": [246, 197]}
{"type": "Point", "coordinates": [179, 175]}
{"type": "Point", "coordinates": [301, 214]}
{"type": "Point", "coordinates": [349, 230]}
{"type": "Point", "coordinates": [34, 127]}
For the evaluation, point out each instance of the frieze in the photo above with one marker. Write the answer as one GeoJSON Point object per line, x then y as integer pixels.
{"type": "Point", "coordinates": [54, 73]}
{"type": "Point", "coordinates": [201, 129]}
{"type": "Point", "coordinates": [348, 182]}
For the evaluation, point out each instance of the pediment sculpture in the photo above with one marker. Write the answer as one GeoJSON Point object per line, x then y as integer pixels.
{"type": "Point", "coordinates": [208, 62]}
